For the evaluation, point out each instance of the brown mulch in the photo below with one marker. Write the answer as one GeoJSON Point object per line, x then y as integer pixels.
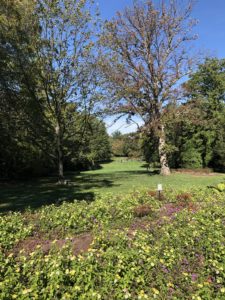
{"type": "Point", "coordinates": [195, 172]}
{"type": "Point", "coordinates": [79, 244]}
{"type": "Point", "coordinates": [166, 212]}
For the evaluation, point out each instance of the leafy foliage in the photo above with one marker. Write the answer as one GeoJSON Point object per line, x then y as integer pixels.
{"type": "Point", "coordinates": [180, 256]}
{"type": "Point", "coordinates": [195, 128]}
{"type": "Point", "coordinates": [206, 92]}
{"type": "Point", "coordinates": [47, 87]}
{"type": "Point", "coordinates": [126, 145]}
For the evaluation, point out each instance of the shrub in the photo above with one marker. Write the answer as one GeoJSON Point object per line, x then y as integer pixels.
{"type": "Point", "coordinates": [142, 210]}
{"type": "Point", "coordinates": [184, 197]}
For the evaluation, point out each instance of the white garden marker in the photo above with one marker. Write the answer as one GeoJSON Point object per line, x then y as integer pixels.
{"type": "Point", "coordinates": [159, 189]}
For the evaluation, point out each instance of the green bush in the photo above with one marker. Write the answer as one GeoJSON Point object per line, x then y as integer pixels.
{"type": "Point", "coordinates": [191, 157]}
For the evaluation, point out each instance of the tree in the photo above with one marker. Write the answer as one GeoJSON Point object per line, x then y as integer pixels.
{"type": "Point", "coordinates": [48, 80]}
{"type": "Point", "coordinates": [206, 93]}
{"type": "Point", "coordinates": [95, 145]}
{"type": "Point", "coordinates": [88, 145]}
{"type": "Point", "coordinates": [18, 30]}
{"type": "Point", "coordinates": [144, 57]}
{"type": "Point", "coordinates": [117, 143]}
{"type": "Point", "coordinates": [64, 68]}
{"type": "Point", "coordinates": [126, 145]}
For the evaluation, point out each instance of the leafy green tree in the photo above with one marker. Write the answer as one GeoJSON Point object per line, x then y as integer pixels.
{"type": "Point", "coordinates": [53, 57]}
{"type": "Point", "coordinates": [95, 147]}
{"type": "Point", "coordinates": [117, 143]}
{"type": "Point", "coordinates": [18, 112]}
{"type": "Point", "coordinates": [126, 145]}
{"type": "Point", "coordinates": [47, 88]}
{"type": "Point", "coordinates": [65, 65]}
{"type": "Point", "coordinates": [150, 148]}
{"type": "Point", "coordinates": [88, 144]}
{"type": "Point", "coordinates": [132, 145]}
{"type": "Point", "coordinates": [206, 92]}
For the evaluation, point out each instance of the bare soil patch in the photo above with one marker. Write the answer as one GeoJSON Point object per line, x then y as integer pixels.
{"type": "Point", "coordinates": [195, 172]}
{"type": "Point", "coordinates": [79, 244]}
{"type": "Point", "coordinates": [166, 212]}
{"type": "Point", "coordinates": [169, 210]}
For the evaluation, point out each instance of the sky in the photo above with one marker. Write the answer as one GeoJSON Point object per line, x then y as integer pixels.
{"type": "Point", "coordinates": [210, 29]}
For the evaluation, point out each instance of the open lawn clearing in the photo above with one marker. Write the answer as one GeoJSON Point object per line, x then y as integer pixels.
{"type": "Point", "coordinates": [118, 177]}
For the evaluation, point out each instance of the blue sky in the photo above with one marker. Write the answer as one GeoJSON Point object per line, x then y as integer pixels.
{"type": "Point", "coordinates": [210, 29]}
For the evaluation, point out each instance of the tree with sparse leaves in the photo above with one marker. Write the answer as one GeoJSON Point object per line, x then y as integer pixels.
{"type": "Point", "coordinates": [144, 57]}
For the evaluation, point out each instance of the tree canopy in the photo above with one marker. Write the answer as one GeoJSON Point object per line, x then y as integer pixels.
{"type": "Point", "coordinates": [48, 83]}
{"type": "Point", "coordinates": [145, 54]}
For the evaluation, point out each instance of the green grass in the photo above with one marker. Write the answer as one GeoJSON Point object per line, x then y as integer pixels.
{"type": "Point", "coordinates": [117, 177]}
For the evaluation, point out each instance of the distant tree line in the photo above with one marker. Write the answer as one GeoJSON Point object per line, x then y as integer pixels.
{"type": "Point", "coordinates": [126, 145]}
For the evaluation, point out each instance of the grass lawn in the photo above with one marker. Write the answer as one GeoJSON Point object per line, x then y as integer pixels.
{"type": "Point", "coordinates": [117, 177]}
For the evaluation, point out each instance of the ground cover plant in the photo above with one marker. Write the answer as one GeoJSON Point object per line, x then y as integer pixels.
{"type": "Point", "coordinates": [129, 247]}
{"type": "Point", "coordinates": [120, 176]}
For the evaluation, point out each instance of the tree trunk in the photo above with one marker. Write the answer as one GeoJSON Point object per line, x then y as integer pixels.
{"type": "Point", "coordinates": [59, 155]}
{"type": "Point", "coordinates": [165, 170]}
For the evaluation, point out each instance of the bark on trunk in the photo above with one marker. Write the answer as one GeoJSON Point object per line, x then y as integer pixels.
{"type": "Point", "coordinates": [60, 155]}
{"type": "Point", "coordinates": [165, 170]}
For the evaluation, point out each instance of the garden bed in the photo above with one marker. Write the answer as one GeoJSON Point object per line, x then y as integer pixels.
{"type": "Point", "coordinates": [130, 247]}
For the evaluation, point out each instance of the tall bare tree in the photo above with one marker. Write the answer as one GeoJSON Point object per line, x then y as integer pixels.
{"type": "Point", "coordinates": [145, 55]}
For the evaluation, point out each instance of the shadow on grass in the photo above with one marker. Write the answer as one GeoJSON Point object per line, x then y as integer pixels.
{"type": "Point", "coordinates": [34, 194]}
{"type": "Point", "coordinates": [18, 196]}
{"type": "Point", "coordinates": [150, 170]}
